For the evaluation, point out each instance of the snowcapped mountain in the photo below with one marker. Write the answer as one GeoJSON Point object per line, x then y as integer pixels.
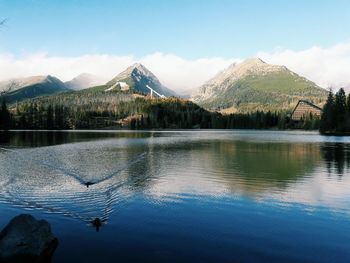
{"type": "Point", "coordinates": [138, 78]}
{"type": "Point", "coordinates": [255, 85]}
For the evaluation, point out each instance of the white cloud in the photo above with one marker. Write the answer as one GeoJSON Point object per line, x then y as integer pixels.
{"type": "Point", "coordinates": [325, 66]}
{"type": "Point", "coordinates": [328, 67]}
{"type": "Point", "coordinates": [64, 68]}
{"type": "Point", "coordinates": [182, 74]}
{"type": "Point", "coordinates": [175, 72]}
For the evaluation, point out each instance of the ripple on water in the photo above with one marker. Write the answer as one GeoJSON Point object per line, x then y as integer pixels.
{"type": "Point", "coordinates": [175, 167]}
{"type": "Point", "coordinates": [228, 195]}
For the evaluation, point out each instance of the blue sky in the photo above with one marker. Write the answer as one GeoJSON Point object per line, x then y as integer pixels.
{"type": "Point", "coordinates": [190, 29]}
{"type": "Point", "coordinates": [184, 42]}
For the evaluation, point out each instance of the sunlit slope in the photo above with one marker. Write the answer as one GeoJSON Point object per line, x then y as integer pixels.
{"type": "Point", "coordinates": [255, 85]}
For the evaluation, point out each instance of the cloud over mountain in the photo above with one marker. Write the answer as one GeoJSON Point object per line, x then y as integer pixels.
{"type": "Point", "coordinates": [325, 66]}
{"type": "Point", "coordinates": [175, 72]}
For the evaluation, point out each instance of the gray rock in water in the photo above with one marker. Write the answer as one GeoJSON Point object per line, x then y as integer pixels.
{"type": "Point", "coordinates": [26, 239]}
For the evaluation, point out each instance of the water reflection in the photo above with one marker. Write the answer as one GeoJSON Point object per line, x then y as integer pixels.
{"type": "Point", "coordinates": [54, 180]}
{"type": "Point", "coordinates": [336, 157]}
{"type": "Point", "coordinates": [47, 138]}
{"type": "Point", "coordinates": [90, 180]}
{"type": "Point", "coordinates": [259, 166]}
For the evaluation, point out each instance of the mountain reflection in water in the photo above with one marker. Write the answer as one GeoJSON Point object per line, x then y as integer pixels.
{"type": "Point", "coordinates": [54, 178]}
{"type": "Point", "coordinates": [182, 196]}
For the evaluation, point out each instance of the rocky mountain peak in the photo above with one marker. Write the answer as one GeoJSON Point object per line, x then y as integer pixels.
{"type": "Point", "coordinates": [247, 83]}
{"type": "Point", "coordinates": [255, 66]}
{"type": "Point", "coordinates": [248, 67]}
{"type": "Point", "coordinates": [253, 61]}
{"type": "Point", "coordinates": [140, 79]}
{"type": "Point", "coordinates": [139, 69]}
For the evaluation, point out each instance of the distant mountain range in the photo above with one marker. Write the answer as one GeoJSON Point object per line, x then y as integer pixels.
{"type": "Point", "coordinates": [27, 88]}
{"type": "Point", "coordinates": [83, 81]}
{"type": "Point", "coordinates": [19, 89]}
{"type": "Point", "coordinates": [245, 87]}
{"type": "Point", "coordinates": [255, 85]}
{"type": "Point", "coordinates": [136, 78]}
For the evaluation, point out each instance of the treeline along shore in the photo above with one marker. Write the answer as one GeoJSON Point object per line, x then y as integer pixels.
{"type": "Point", "coordinates": [101, 110]}
{"type": "Point", "coordinates": [131, 111]}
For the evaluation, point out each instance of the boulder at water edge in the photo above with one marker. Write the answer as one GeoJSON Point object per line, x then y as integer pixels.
{"type": "Point", "coordinates": [26, 239]}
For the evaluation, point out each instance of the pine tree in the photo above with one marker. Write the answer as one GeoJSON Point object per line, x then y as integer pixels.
{"type": "Point", "coordinates": [348, 103]}
{"type": "Point", "coordinates": [5, 116]}
{"type": "Point", "coordinates": [49, 118]}
{"type": "Point", "coordinates": [347, 116]}
{"type": "Point", "coordinates": [340, 110]}
{"type": "Point", "coordinates": [327, 118]}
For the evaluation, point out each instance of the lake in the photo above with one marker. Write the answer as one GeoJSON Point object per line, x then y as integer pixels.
{"type": "Point", "coordinates": [182, 196]}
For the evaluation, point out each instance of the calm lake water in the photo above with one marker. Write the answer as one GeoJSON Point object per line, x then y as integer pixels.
{"type": "Point", "coordinates": [183, 196]}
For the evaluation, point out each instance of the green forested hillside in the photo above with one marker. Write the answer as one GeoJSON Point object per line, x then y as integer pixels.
{"type": "Point", "coordinates": [254, 85]}
{"type": "Point", "coordinates": [262, 96]}
{"type": "Point", "coordinates": [95, 108]}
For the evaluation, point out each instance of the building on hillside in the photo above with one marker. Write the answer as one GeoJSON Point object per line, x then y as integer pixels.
{"type": "Point", "coordinates": [303, 109]}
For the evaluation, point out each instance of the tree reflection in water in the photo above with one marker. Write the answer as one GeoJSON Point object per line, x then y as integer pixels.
{"type": "Point", "coordinates": [336, 157]}
{"type": "Point", "coordinates": [91, 179]}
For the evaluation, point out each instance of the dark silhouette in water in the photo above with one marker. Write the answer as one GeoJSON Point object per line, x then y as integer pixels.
{"type": "Point", "coordinates": [106, 190]}
{"type": "Point", "coordinates": [336, 157]}
{"type": "Point", "coordinates": [88, 184]}
{"type": "Point", "coordinates": [79, 177]}
{"type": "Point", "coordinates": [97, 223]}
{"type": "Point", "coordinates": [105, 178]}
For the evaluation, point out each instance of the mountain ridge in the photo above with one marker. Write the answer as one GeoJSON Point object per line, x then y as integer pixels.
{"type": "Point", "coordinates": [256, 85]}
{"type": "Point", "coordinates": [19, 89]}
{"type": "Point", "coordinates": [138, 78]}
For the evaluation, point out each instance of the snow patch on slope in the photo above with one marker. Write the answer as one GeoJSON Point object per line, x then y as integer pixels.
{"type": "Point", "coordinates": [119, 85]}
